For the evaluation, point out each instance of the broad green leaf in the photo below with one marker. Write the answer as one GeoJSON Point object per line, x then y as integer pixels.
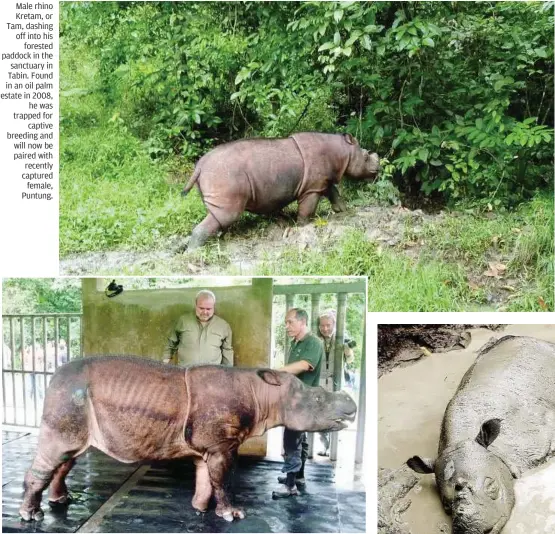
{"type": "Point", "coordinates": [326, 46]}
{"type": "Point", "coordinates": [367, 43]}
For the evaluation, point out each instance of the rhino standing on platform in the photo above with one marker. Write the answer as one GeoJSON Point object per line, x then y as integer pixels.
{"type": "Point", "coordinates": [500, 423]}
{"type": "Point", "coordinates": [136, 409]}
{"type": "Point", "coordinates": [265, 175]}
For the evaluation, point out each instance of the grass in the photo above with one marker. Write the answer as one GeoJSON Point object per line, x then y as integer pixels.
{"type": "Point", "coordinates": [395, 282]}
{"type": "Point", "coordinates": [452, 253]}
{"type": "Point", "coordinates": [113, 195]}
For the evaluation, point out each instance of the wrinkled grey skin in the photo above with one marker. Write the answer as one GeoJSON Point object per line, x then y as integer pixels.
{"type": "Point", "coordinates": [500, 423]}
{"type": "Point", "coordinates": [135, 409]}
{"type": "Point", "coordinates": [265, 175]}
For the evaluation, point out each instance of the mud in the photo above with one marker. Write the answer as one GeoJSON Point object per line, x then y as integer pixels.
{"type": "Point", "coordinates": [411, 404]}
{"type": "Point", "coordinates": [404, 344]}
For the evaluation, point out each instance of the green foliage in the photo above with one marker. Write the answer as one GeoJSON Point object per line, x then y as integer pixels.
{"type": "Point", "coordinates": [41, 295]}
{"type": "Point", "coordinates": [457, 96]}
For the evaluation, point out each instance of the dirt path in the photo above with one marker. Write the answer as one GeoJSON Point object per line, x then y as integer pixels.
{"type": "Point", "coordinates": [411, 403]}
{"type": "Point", "coordinates": [252, 243]}
{"type": "Point", "coordinates": [244, 248]}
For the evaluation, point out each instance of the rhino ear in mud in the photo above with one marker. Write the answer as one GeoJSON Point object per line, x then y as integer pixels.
{"type": "Point", "coordinates": [489, 432]}
{"type": "Point", "coordinates": [421, 465]}
{"type": "Point", "coordinates": [350, 139]}
{"type": "Point", "coordinates": [269, 376]}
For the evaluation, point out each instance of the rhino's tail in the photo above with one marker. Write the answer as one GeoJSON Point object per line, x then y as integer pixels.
{"type": "Point", "coordinates": [192, 181]}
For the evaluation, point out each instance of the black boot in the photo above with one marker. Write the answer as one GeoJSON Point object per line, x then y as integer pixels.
{"type": "Point", "coordinates": [289, 490]}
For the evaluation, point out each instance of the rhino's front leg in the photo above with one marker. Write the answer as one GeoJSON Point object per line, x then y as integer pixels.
{"type": "Point", "coordinates": [203, 486]}
{"type": "Point", "coordinates": [337, 203]}
{"type": "Point", "coordinates": [307, 207]}
{"type": "Point", "coordinates": [219, 464]}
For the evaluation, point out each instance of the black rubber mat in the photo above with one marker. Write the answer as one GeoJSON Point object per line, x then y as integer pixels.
{"type": "Point", "coordinates": [91, 482]}
{"type": "Point", "coordinates": [161, 499]}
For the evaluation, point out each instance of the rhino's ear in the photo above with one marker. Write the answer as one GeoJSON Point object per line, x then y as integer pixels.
{"type": "Point", "coordinates": [350, 139]}
{"type": "Point", "coordinates": [489, 432]}
{"type": "Point", "coordinates": [421, 465]}
{"type": "Point", "coordinates": [269, 376]}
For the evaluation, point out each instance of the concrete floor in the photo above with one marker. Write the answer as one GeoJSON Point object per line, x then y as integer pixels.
{"type": "Point", "coordinates": [109, 496]}
{"type": "Point", "coordinates": [411, 403]}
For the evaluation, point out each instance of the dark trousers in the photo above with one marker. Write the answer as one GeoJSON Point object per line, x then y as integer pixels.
{"type": "Point", "coordinates": [295, 447]}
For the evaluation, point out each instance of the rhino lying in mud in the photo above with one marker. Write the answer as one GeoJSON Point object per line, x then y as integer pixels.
{"type": "Point", "coordinates": [500, 423]}
{"type": "Point", "coordinates": [136, 409]}
{"type": "Point", "coordinates": [265, 175]}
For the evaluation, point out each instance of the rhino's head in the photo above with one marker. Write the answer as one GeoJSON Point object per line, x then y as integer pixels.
{"type": "Point", "coordinates": [309, 409]}
{"type": "Point", "coordinates": [476, 486]}
{"type": "Point", "coordinates": [362, 164]}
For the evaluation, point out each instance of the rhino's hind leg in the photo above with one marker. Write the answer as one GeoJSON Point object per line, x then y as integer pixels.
{"type": "Point", "coordinates": [218, 468]}
{"type": "Point", "coordinates": [58, 493]}
{"type": "Point", "coordinates": [35, 482]}
{"type": "Point", "coordinates": [54, 459]}
{"type": "Point", "coordinates": [307, 207]}
{"type": "Point", "coordinates": [207, 228]}
{"type": "Point", "coordinates": [203, 486]}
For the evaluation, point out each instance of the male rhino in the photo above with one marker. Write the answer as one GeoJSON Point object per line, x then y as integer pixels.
{"type": "Point", "coordinates": [265, 175]}
{"type": "Point", "coordinates": [500, 423]}
{"type": "Point", "coordinates": [136, 409]}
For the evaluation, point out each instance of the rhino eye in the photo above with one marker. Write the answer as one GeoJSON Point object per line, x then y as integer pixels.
{"type": "Point", "coordinates": [491, 488]}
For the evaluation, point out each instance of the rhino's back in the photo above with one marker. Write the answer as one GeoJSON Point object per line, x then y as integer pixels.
{"type": "Point", "coordinates": [513, 379]}
{"type": "Point", "coordinates": [134, 408]}
{"type": "Point", "coordinates": [514, 366]}
{"type": "Point", "coordinates": [257, 175]}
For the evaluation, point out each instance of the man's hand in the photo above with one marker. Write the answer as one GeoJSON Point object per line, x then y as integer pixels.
{"type": "Point", "coordinates": [297, 368]}
{"type": "Point", "coordinates": [166, 360]}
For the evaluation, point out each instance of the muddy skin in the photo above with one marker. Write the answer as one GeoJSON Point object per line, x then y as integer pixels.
{"type": "Point", "coordinates": [134, 409]}
{"type": "Point", "coordinates": [499, 424]}
{"type": "Point", "coordinates": [265, 175]}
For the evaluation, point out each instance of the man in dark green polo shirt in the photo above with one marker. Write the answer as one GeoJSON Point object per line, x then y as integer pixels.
{"type": "Point", "coordinates": [306, 354]}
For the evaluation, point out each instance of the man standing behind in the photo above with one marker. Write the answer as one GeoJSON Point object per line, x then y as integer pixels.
{"type": "Point", "coordinates": [305, 360]}
{"type": "Point", "coordinates": [203, 338]}
{"type": "Point", "coordinates": [326, 327]}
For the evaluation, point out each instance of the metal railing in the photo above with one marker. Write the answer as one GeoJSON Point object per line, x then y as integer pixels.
{"type": "Point", "coordinates": [33, 347]}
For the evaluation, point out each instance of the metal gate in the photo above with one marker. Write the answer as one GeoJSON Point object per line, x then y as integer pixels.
{"type": "Point", "coordinates": [33, 347]}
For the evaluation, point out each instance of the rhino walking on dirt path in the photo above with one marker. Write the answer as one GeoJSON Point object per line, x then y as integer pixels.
{"type": "Point", "coordinates": [265, 175]}
{"type": "Point", "coordinates": [500, 423]}
{"type": "Point", "coordinates": [137, 409]}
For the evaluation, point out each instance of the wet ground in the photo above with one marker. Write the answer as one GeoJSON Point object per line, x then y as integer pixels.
{"type": "Point", "coordinates": [411, 403]}
{"type": "Point", "coordinates": [109, 496]}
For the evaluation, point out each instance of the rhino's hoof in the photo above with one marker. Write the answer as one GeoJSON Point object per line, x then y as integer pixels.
{"type": "Point", "coordinates": [60, 501]}
{"type": "Point", "coordinates": [31, 515]}
{"type": "Point", "coordinates": [229, 515]}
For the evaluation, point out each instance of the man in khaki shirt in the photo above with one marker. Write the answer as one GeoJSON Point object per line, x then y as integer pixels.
{"type": "Point", "coordinates": [201, 338]}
